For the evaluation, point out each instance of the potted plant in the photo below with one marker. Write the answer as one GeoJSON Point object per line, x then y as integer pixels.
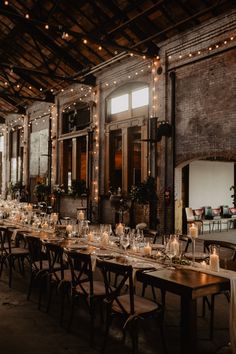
{"type": "Point", "coordinates": [41, 191]}
{"type": "Point", "coordinates": [144, 194]}
{"type": "Point", "coordinates": [16, 189]}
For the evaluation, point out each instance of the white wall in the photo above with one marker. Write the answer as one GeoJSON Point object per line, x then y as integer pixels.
{"type": "Point", "coordinates": [209, 183]}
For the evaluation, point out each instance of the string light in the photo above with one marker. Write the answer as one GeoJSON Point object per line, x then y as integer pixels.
{"type": "Point", "coordinates": [204, 50]}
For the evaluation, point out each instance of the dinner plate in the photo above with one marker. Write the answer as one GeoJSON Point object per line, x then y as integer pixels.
{"type": "Point", "coordinates": [76, 247]}
{"type": "Point", "coordinates": [142, 265]}
{"type": "Point", "coordinates": [156, 246]}
{"type": "Point", "coordinates": [103, 254]}
{"type": "Point", "coordinates": [198, 255]}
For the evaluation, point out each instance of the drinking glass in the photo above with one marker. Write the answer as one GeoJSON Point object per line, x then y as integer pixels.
{"type": "Point", "coordinates": [124, 240]}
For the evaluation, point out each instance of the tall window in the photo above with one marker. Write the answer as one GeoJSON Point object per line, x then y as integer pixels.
{"type": "Point", "coordinates": [134, 176]}
{"type": "Point", "coordinates": [16, 155]}
{"type": "Point", "coordinates": [127, 109]}
{"type": "Point", "coordinates": [116, 159]}
{"type": "Point", "coordinates": [76, 144]}
{"type": "Point", "coordinates": [75, 160]}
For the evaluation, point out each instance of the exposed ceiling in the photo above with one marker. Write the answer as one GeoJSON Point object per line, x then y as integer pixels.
{"type": "Point", "coordinates": [46, 45]}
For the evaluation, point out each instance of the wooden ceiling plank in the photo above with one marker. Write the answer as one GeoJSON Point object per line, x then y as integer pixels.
{"type": "Point", "coordinates": [134, 18]}
{"type": "Point", "coordinates": [43, 38]}
{"type": "Point", "coordinates": [19, 69]}
{"type": "Point", "coordinates": [44, 59]}
{"type": "Point", "coordinates": [178, 24]}
{"type": "Point", "coordinates": [7, 79]}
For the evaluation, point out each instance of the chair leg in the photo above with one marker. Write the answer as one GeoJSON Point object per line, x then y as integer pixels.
{"type": "Point", "coordinates": [71, 312]}
{"type": "Point", "coordinates": [107, 327]}
{"type": "Point", "coordinates": [40, 292]}
{"type": "Point", "coordinates": [62, 306]}
{"type": "Point", "coordinates": [50, 291]}
{"type": "Point", "coordinates": [30, 285]}
{"type": "Point", "coordinates": [92, 319]}
{"type": "Point", "coordinates": [212, 316]}
{"type": "Point", "coordinates": [10, 262]}
{"type": "Point", "coordinates": [134, 333]}
{"type": "Point", "coordinates": [163, 339]}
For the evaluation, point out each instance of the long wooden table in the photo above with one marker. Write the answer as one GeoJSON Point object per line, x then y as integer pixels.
{"type": "Point", "coordinates": [189, 285]}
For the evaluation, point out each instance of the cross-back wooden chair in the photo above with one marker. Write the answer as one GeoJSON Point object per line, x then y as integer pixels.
{"type": "Point", "coordinates": [84, 286]}
{"type": "Point", "coordinates": [227, 260]}
{"type": "Point", "coordinates": [124, 302]}
{"type": "Point", "coordinates": [9, 253]}
{"type": "Point", "coordinates": [38, 263]}
{"type": "Point", "coordinates": [59, 276]}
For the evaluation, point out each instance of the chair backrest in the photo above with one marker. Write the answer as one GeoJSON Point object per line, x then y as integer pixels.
{"type": "Point", "coordinates": [208, 214]}
{"type": "Point", "coordinates": [6, 240]}
{"type": "Point", "coordinates": [224, 245]}
{"type": "Point", "coordinates": [198, 213]}
{"type": "Point", "coordinates": [216, 212]}
{"type": "Point", "coordinates": [35, 251]}
{"type": "Point", "coordinates": [189, 214]}
{"type": "Point", "coordinates": [225, 211]}
{"type": "Point", "coordinates": [232, 211]}
{"type": "Point", "coordinates": [124, 276]}
{"type": "Point", "coordinates": [81, 271]}
{"type": "Point", "coordinates": [54, 256]}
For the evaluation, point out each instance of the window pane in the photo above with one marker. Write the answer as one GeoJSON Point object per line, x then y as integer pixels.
{"type": "Point", "coordinates": [134, 153]}
{"type": "Point", "coordinates": [81, 158]}
{"type": "Point", "coordinates": [140, 98]}
{"type": "Point", "coordinates": [116, 159]}
{"type": "Point", "coordinates": [119, 104]}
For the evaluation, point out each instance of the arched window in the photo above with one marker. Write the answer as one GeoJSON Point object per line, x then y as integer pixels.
{"type": "Point", "coordinates": [127, 113]}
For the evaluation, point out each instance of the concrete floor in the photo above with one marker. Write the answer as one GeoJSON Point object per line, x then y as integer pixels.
{"type": "Point", "coordinates": [26, 330]}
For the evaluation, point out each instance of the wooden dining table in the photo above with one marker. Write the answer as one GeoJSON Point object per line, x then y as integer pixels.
{"type": "Point", "coordinates": [189, 285]}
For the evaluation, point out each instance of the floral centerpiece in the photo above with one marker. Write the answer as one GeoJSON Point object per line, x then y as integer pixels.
{"type": "Point", "coordinates": [58, 190]}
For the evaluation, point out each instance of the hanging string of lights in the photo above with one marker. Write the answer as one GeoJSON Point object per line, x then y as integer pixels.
{"type": "Point", "coordinates": [176, 57]}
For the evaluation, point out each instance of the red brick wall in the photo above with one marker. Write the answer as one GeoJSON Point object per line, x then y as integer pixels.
{"type": "Point", "coordinates": [206, 108]}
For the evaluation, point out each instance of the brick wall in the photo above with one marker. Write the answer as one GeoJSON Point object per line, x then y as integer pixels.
{"type": "Point", "coordinates": [206, 108]}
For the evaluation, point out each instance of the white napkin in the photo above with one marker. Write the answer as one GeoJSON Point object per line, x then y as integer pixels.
{"type": "Point", "coordinates": [93, 261]}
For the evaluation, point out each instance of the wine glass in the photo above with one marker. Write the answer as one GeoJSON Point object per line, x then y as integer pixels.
{"type": "Point", "coordinates": [171, 249]}
{"type": "Point", "coordinates": [171, 253]}
{"type": "Point", "coordinates": [124, 240]}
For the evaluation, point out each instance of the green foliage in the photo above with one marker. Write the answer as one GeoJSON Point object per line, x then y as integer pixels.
{"type": "Point", "coordinates": [144, 192]}
{"type": "Point", "coordinates": [58, 189]}
{"type": "Point", "coordinates": [17, 187]}
{"type": "Point", "coordinates": [78, 188]}
{"type": "Point", "coordinates": [42, 191]}
{"type": "Point", "coordinates": [233, 196]}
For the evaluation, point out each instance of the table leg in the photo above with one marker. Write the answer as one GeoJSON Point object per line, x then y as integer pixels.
{"type": "Point", "coordinates": [188, 326]}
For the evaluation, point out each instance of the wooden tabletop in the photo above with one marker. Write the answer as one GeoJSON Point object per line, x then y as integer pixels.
{"type": "Point", "coordinates": [186, 282]}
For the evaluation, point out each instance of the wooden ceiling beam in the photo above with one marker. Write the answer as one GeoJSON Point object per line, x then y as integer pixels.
{"type": "Point", "coordinates": [11, 101]}
{"type": "Point", "coordinates": [178, 24]}
{"type": "Point", "coordinates": [47, 98]}
{"type": "Point", "coordinates": [30, 27]}
{"type": "Point", "coordinates": [19, 69]}
{"type": "Point", "coordinates": [134, 18]}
